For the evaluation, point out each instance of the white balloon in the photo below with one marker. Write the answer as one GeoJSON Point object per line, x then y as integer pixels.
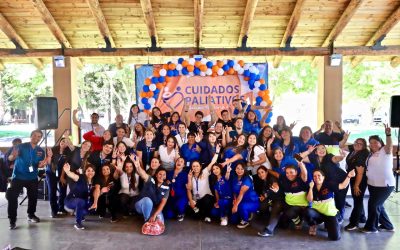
{"type": "Point", "coordinates": [179, 67]}
{"type": "Point", "coordinates": [152, 87]}
{"type": "Point", "coordinates": [241, 71]}
{"type": "Point", "coordinates": [225, 61]}
{"type": "Point", "coordinates": [203, 73]}
{"type": "Point", "coordinates": [252, 69]}
{"type": "Point", "coordinates": [214, 62]}
{"type": "Point", "coordinates": [141, 105]}
{"type": "Point", "coordinates": [209, 72]}
{"type": "Point", "coordinates": [203, 60]}
{"type": "Point", "coordinates": [174, 61]}
{"type": "Point", "coordinates": [192, 61]}
{"type": "Point", "coordinates": [257, 84]}
{"type": "Point", "coordinates": [191, 73]}
{"type": "Point", "coordinates": [163, 72]}
{"type": "Point", "coordinates": [152, 101]}
{"type": "Point", "coordinates": [256, 71]}
{"type": "Point", "coordinates": [220, 72]}
{"type": "Point", "coordinates": [236, 67]}
{"type": "Point", "coordinates": [246, 66]}
{"type": "Point", "coordinates": [263, 104]}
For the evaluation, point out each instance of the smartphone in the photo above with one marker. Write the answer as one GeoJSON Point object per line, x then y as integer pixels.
{"type": "Point", "coordinates": [298, 157]}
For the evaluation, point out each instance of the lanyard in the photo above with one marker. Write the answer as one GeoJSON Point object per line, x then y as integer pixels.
{"type": "Point", "coordinates": [129, 183]}
{"type": "Point", "coordinates": [183, 139]}
{"type": "Point", "coordinates": [197, 186]}
{"type": "Point", "coordinates": [148, 151]}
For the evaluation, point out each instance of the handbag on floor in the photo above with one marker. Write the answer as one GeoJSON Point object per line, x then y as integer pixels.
{"type": "Point", "coordinates": [153, 228]}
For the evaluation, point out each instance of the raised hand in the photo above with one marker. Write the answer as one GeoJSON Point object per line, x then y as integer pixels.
{"type": "Point", "coordinates": [292, 124]}
{"type": "Point", "coordinates": [387, 129]}
{"type": "Point", "coordinates": [311, 184]}
{"type": "Point", "coordinates": [67, 168]}
{"type": "Point", "coordinates": [274, 187]}
{"type": "Point", "coordinates": [198, 138]}
{"type": "Point", "coordinates": [351, 174]}
{"type": "Point", "coordinates": [115, 153]}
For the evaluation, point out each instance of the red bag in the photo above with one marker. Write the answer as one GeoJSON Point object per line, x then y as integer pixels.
{"type": "Point", "coordinates": [153, 228]}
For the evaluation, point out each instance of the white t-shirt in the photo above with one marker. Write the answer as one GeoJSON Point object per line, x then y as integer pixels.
{"type": "Point", "coordinates": [125, 185]}
{"type": "Point", "coordinates": [201, 186]}
{"type": "Point", "coordinates": [181, 139]}
{"type": "Point", "coordinates": [88, 126]}
{"type": "Point", "coordinates": [126, 140]}
{"type": "Point", "coordinates": [167, 160]}
{"type": "Point", "coordinates": [380, 169]}
{"type": "Point", "coordinates": [258, 150]}
{"type": "Point", "coordinates": [141, 118]}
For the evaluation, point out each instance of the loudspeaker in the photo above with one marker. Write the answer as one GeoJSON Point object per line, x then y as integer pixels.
{"type": "Point", "coordinates": [46, 112]}
{"type": "Point", "coordinates": [395, 111]}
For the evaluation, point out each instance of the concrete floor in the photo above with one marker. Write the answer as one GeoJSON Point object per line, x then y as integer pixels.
{"type": "Point", "coordinates": [189, 234]}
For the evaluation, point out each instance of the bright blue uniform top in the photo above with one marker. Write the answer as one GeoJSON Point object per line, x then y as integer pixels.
{"type": "Point", "coordinates": [190, 153]}
{"type": "Point", "coordinates": [177, 184]}
{"type": "Point", "coordinates": [223, 188]}
{"type": "Point", "coordinates": [250, 195]}
{"type": "Point", "coordinates": [286, 161]}
{"type": "Point", "coordinates": [248, 127]}
{"type": "Point", "coordinates": [229, 153]}
{"type": "Point", "coordinates": [27, 156]}
{"type": "Point", "coordinates": [303, 146]}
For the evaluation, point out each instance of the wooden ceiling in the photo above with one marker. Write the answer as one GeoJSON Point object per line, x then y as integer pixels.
{"type": "Point", "coordinates": [206, 24]}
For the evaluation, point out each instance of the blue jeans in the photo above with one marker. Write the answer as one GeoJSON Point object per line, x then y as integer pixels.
{"type": "Point", "coordinates": [313, 217]}
{"type": "Point", "coordinates": [376, 211]}
{"type": "Point", "coordinates": [145, 206]}
{"type": "Point", "coordinates": [79, 205]}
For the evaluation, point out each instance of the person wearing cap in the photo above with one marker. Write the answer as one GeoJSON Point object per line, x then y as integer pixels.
{"type": "Point", "coordinates": [380, 181]}
{"type": "Point", "coordinates": [88, 126]}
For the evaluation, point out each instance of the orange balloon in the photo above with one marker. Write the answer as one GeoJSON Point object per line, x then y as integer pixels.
{"type": "Point", "coordinates": [171, 66]}
{"type": "Point", "coordinates": [156, 73]}
{"type": "Point", "coordinates": [214, 74]}
{"type": "Point", "coordinates": [220, 64]}
{"type": "Point", "coordinates": [225, 73]}
{"type": "Point", "coordinates": [231, 71]}
{"type": "Point", "coordinates": [159, 85]}
{"type": "Point", "coordinates": [261, 81]}
{"type": "Point", "coordinates": [142, 94]}
{"type": "Point", "coordinates": [167, 79]}
{"type": "Point", "coordinates": [261, 93]}
{"type": "Point", "coordinates": [150, 94]}
{"type": "Point", "coordinates": [197, 64]}
{"type": "Point", "coordinates": [215, 68]}
{"type": "Point", "coordinates": [185, 63]}
{"type": "Point", "coordinates": [203, 68]}
{"type": "Point", "coordinates": [190, 68]}
{"type": "Point", "coordinates": [241, 63]}
{"type": "Point", "coordinates": [246, 78]}
{"type": "Point", "coordinates": [164, 84]}
{"type": "Point", "coordinates": [267, 91]}
{"type": "Point", "coordinates": [266, 97]}
{"type": "Point", "coordinates": [269, 102]}
{"type": "Point", "coordinates": [147, 81]}
{"type": "Point", "coordinates": [165, 66]}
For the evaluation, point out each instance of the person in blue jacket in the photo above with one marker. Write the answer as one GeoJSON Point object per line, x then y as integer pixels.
{"type": "Point", "coordinates": [279, 162]}
{"type": "Point", "coordinates": [178, 200]}
{"type": "Point", "coordinates": [251, 124]}
{"type": "Point", "coordinates": [80, 197]}
{"type": "Point", "coordinates": [190, 151]}
{"type": "Point", "coordinates": [223, 193]}
{"type": "Point", "coordinates": [245, 201]}
{"type": "Point", "coordinates": [235, 153]}
{"type": "Point", "coordinates": [287, 143]}
{"type": "Point", "coordinates": [306, 141]}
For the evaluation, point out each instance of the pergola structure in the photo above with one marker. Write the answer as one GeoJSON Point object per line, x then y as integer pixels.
{"type": "Point", "coordinates": [153, 31]}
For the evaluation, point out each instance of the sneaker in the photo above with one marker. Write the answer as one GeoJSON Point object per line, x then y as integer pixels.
{"type": "Point", "coordinates": [181, 217]}
{"type": "Point", "coordinates": [53, 215]}
{"type": "Point", "coordinates": [113, 219]}
{"type": "Point", "coordinates": [207, 219]}
{"type": "Point", "coordinates": [79, 226]}
{"type": "Point", "coordinates": [101, 216]}
{"type": "Point", "coordinates": [265, 233]}
{"type": "Point", "coordinates": [224, 221]}
{"type": "Point", "coordinates": [340, 221]}
{"type": "Point", "coordinates": [383, 229]}
{"type": "Point", "coordinates": [347, 204]}
{"type": "Point", "coordinates": [33, 218]}
{"type": "Point", "coordinates": [313, 230]}
{"type": "Point", "coordinates": [350, 227]}
{"type": "Point", "coordinates": [12, 226]}
{"type": "Point", "coordinates": [83, 219]}
{"type": "Point", "coordinates": [243, 224]}
{"type": "Point", "coordinates": [251, 216]}
{"type": "Point", "coordinates": [366, 231]}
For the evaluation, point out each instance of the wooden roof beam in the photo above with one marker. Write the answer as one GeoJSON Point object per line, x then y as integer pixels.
{"type": "Point", "coordinates": [341, 24]}
{"type": "Point", "coordinates": [220, 52]}
{"type": "Point", "coordinates": [198, 21]}
{"type": "Point", "coordinates": [53, 26]}
{"type": "Point", "coordinates": [150, 23]}
{"type": "Point", "coordinates": [290, 29]}
{"type": "Point", "coordinates": [98, 15]}
{"type": "Point", "coordinates": [395, 61]}
{"type": "Point", "coordinates": [248, 16]}
{"type": "Point", "coordinates": [10, 32]}
{"type": "Point", "coordinates": [380, 34]}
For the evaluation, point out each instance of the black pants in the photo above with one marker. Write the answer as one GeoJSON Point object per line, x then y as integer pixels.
{"type": "Point", "coordinates": [107, 200]}
{"type": "Point", "coordinates": [275, 214]}
{"type": "Point", "coordinates": [358, 202]}
{"type": "Point", "coordinates": [293, 213]}
{"type": "Point", "coordinates": [313, 217]}
{"type": "Point", "coordinates": [13, 193]}
{"type": "Point", "coordinates": [205, 205]}
{"type": "Point", "coordinates": [376, 211]}
{"type": "Point", "coordinates": [54, 185]}
{"type": "Point", "coordinates": [127, 203]}
{"type": "Point", "coordinates": [340, 201]}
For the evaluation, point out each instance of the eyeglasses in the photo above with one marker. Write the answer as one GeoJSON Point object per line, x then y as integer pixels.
{"type": "Point", "coordinates": [359, 143]}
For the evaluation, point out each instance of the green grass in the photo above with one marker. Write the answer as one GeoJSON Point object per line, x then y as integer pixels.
{"type": "Point", "coordinates": [12, 133]}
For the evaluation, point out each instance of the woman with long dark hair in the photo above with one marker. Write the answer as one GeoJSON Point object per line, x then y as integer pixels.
{"type": "Point", "coordinates": [256, 156]}
{"type": "Point", "coordinates": [174, 122]}
{"type": "Point", "coordinates": [168, 153]}
{"type": "Point", "coordinates": [136, 116]}
{"type": "Point", "coordinates": [235, 153]}
{"type": "Point", "coordinates": [223, 192]}
{"type": "Point", "coordinates": [138, 134]}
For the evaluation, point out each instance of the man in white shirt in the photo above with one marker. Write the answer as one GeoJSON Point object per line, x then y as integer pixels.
{"type": "Point", "coordinates": [89, 126]}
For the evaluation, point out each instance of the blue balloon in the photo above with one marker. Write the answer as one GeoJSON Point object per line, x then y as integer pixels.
{"type": "Point", "coordinates": [154, 79]}
{"type": "Point", "coordinates": [176, 72]}
{"type": "Point", "coordinates": [156, 92]}
{"type": "Point", "coordinates": [251, 81]}
{"type": "Point", "coordinates": [263, 87]}
{"type": "Point", "coordinates": [198, 59]}
{"type": "Point", "coordinates": [145, 100]}
{"type": "Point", "coordinates": [231, 63]}
{"type": "Point", "coordinates": [258, 114]}
{"type": "Point", "coordinates": [170, 73]}
{"type": "Point", "coordinates": [185, 71]}
{"type": "Point", "coordinates": [196, 71]}
{"type": "Point", "coordinates": [155, 96]}
{"type": "Point", "coordinates": [225, 67]}
{"type": "Point", "coordinates": [259, 100]}
{"type": "Point", "coordinates": [268, 120]}
{"type": "Point", "coordinates": [258, 77]}
{"type": "Point", "coordinates": [147, 106]}
{"type": "Point", "coordinates": [246, 73]}
{"type": "Point", "coordinates": [180, 60]}
{"type": "Point", "coordinates": [146, 88]}
{"type": "Point", "coordinates": [209, 65]}
{"type": "Point", "coordinates": [252, 76]}
{"type": "Point", "coordinates": [251, 86]}
{"type": "Point", "coordinates": [270, 114]}
{"type": "Point", "coordinates": [161, 79]}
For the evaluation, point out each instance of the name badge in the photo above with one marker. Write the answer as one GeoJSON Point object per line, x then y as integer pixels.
{"type": "Point", "coordinates": [30, 169]}
{"type": "Point", "coordinates": [188, 164]}
{"type": "Point", "coordinates": [56, 172]}
{"type": "Point", "coordinates": [80, 171]}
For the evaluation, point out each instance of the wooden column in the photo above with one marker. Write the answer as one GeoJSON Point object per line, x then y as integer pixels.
{"type": "Point", "coordinates": [65, 89]}
{"type": "Point", "coordinates": [330, 86]}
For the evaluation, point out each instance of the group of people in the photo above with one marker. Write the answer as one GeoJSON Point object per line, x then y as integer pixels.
{"type": "Point", "coordinates": [228, 169]}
